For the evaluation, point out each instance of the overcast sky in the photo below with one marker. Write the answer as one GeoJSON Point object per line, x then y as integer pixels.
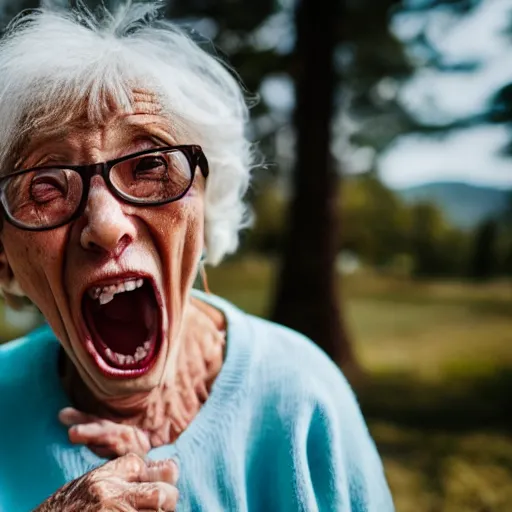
{"type": "Point", "coordinates": [472, 155]}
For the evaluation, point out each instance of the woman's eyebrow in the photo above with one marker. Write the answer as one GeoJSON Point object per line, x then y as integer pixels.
{"type": "Point", "coordinates": [45, 159]}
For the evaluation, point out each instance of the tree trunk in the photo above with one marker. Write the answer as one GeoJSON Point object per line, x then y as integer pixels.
{"type": "Point", "coordinates": [307, 288]}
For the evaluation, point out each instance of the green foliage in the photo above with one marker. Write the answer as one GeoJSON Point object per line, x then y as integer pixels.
{"type": "Point", "coordinates": [374, 221]}
{"type": "Point", "coordinates": [438, 248]}
{"type": "Point", "coordinates": [380, 228]}
{"type": "Point", "coordinates": [484, 250]}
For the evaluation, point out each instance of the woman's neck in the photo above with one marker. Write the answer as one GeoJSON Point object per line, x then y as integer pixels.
{"type": "Point", "coordinates": [166, 411]}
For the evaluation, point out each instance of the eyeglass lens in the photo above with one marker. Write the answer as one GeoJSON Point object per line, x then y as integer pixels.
{"type": "Point", "coordinates": [49, 197]}
{"type": "Point", "coordinates": [152, 178]}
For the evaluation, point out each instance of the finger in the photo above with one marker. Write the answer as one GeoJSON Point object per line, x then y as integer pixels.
{"type": "Point", "coordinates": [93, 433]}
{"type": "Point", "coordinates": [70, 416]}
{"type": "Point", "coordinates": [153, 496]}
{"type": "Point", "coordinates": [132, 468]}
{"type": "Point", "coordinates": [164, 471]}
{"type": "Point", "coordinates": [120, 439]}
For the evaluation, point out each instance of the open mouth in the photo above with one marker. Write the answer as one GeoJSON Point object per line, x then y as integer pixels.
{"type": "Point", "coordinates": [123, 319]}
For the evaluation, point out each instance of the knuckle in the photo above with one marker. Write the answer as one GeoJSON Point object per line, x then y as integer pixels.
{"type": "Point", "coordinates": [97, 489]}
{"type": "Point", "coordinates": [132, 461]}
{"type": "Point", "coordinates": [133, 458]}
{"type": "Point", "coordinates": [110, 437]}
{"type": "Point", "coordinates": [126, 435]}
{"type": "Point", "coordinates": [168, 498]}
{"type": "Point", "coordinates": [122, 448]}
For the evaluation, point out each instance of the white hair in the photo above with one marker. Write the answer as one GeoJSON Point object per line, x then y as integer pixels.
{"type": "Point", "coordinates": [53, 62]}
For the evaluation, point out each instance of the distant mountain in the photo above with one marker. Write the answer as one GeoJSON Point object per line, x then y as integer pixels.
{"type": "Point", "coordinates": [464, 205]}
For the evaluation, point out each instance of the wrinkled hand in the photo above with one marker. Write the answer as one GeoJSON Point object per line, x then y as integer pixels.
{"type": "Point", "coordinates": [127, 484]}
{"type": "Point", "coordinates": [104, 437]}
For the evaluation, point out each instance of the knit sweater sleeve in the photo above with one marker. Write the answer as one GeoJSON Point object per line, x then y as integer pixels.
{"type": "Point", "coordinates": [345, 470]}
{"type": "Point", "coordinates": [324, 458]}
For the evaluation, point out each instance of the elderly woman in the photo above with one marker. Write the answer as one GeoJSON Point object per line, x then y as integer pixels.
{"type": "Point", "coordinates": [123, 167]}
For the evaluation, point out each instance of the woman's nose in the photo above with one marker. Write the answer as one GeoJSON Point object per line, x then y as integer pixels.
{"type": "Point", "coordinates": [107, 228]}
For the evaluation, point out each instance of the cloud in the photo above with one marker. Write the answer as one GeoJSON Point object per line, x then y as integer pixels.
{"type": "Point", "coordinates": [480, 36]}
{"type": "Point", "coordinates": [470, 156]}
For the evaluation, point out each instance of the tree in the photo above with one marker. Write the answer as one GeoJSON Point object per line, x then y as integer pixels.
{"type": "Point", "coordinates": [484, 252]}
{"type": "Point", "coordinates": [426, 239]}
{"type": "Point", "coordinates": [307, 296]}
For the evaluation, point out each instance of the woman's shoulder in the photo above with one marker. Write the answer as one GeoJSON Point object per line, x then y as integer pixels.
{"type": "Point", "coordinates": [293, 354]}
{"type": "Point", "coordinates": [24, 358]}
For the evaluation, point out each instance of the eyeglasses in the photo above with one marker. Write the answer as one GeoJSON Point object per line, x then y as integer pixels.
{"type": "Point", "coordinates": [45, 198]}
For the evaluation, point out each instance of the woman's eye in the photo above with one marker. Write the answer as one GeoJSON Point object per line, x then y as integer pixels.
{"type": "Point", "coordinates": [151, 167]}
{"type": "Point", "coordinates": [47, 189]}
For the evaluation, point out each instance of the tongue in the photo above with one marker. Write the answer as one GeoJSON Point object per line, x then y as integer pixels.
{"type": "Point", "coordinates": [126, 322]}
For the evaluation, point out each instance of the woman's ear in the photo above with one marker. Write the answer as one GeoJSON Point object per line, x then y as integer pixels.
{"type": "Point", "coordinates": [9, 286]}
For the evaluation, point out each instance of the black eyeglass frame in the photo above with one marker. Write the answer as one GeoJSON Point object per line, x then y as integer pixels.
{"type": "Point", "coordinates": [193, 153]}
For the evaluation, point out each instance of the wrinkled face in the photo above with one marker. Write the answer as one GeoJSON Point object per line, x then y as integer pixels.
{"type": "Point", "coordinates": [112, 284]}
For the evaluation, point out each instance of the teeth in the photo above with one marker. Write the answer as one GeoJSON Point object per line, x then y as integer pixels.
{"type": "Point", "coordinates": [122, 359]}
{"type": "Point", "coordinates": [106, 293]}
{"type": "Point", "coordinates": [105, 298]}
{"type": "Point", "coordinates": [94, 293]}
{"type": "Point", "coordinates": [129, 286]}
{"type": "Point", "coordinates": [140, 354]}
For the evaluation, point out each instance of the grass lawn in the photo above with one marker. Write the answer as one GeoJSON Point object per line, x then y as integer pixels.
{"type": "Point", "coordinates": [438, 392]}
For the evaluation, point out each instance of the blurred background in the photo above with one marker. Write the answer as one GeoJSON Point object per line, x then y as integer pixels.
{"type": "Point", "coordinates": [383, 211]}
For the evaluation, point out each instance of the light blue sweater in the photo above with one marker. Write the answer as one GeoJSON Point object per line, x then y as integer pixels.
{"type": "Point", "coordinates": [281, 430]}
